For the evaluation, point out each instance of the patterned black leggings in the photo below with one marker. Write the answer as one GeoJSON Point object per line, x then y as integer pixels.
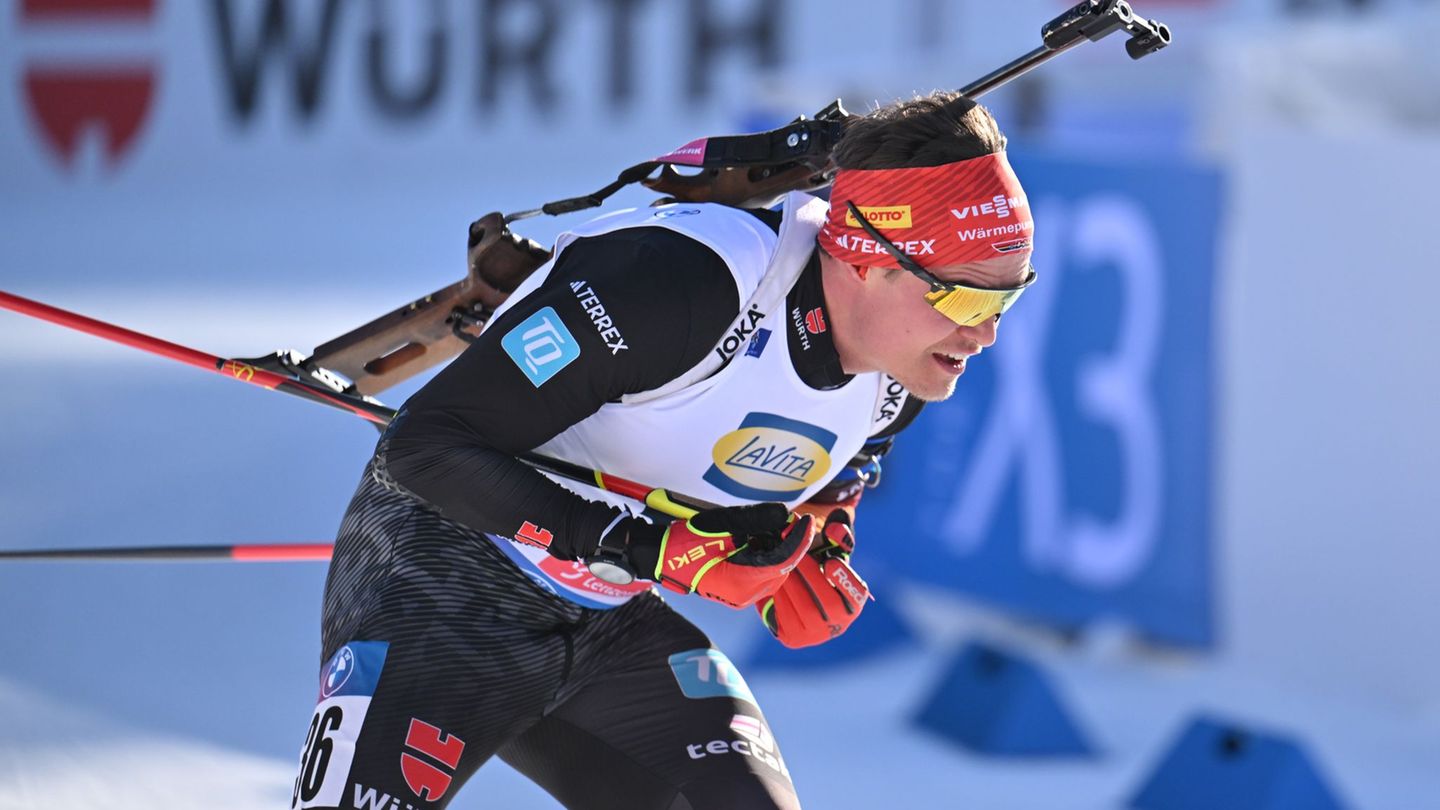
{"type": "Point", "coordinates": [439, 653]}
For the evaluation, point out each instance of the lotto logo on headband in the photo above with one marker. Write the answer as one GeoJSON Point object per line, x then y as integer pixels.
{"type": "Point", "coordinates": [882, 216]}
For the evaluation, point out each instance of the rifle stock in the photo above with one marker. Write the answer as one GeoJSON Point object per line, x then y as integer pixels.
{"type": "Point", "coordinates": [434, 329]}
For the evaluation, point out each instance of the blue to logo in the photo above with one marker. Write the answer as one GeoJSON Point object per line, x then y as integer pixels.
{"type": "Point", "coordinates": [541, 346]}
{"type": "Point", "coordinates": [707, 673]}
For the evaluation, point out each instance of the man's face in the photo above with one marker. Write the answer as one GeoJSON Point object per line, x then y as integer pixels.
{"type": "Point", "coordinates": [895, 330]}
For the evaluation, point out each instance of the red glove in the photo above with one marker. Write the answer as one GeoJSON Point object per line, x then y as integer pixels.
{"type": "Point", "coordinates": [734, 555]}
{"type": "Point", "coordinates": [822, 597]}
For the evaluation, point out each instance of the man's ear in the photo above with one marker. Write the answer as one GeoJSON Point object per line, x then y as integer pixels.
{"type": "Point", "coordinates": [843, 270]}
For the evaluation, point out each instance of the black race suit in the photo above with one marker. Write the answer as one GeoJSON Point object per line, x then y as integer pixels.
{"type": "Point", "coordinates": [620, 708]}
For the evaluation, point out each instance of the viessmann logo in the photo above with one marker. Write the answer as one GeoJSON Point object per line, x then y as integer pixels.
{"type": "Point", "coordinates": [770, 458]}
{"type": "Point", "coordinates": [69, 93]}
{"type": "Point", "coordinates": [882, 216]}
{"type": "Point", "coordinates": [999, 206]}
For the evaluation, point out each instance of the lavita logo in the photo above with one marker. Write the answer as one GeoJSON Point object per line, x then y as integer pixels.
{"type": "Point", "coordinates": [770, 458]}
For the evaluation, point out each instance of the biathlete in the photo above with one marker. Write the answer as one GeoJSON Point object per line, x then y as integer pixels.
{"type": "Point", "coordinates": [761, 360]}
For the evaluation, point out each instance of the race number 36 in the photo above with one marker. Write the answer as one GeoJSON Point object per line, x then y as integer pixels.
{"type": "Point", "coordinates": [315, 755]}
{"type": "Point", "coordinates": [347, 685]}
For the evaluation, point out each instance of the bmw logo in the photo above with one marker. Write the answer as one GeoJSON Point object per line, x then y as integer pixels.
{"type": "Point", "coordinates": [339, 671]}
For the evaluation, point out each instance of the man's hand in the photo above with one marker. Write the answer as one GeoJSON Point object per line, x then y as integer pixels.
{"type": "Point", "coordinates": [822, 597]}
{"type": "Point", "coordinates": [827, 514]}
{"type": "Point", "coordinates": [735, 555]}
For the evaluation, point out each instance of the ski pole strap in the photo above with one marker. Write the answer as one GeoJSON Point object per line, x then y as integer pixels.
{"type": "Point", "coordinates": [634, 174]}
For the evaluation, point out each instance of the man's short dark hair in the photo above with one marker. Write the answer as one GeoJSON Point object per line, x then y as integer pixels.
{"type": "Point", "coordinates": [943, 127]}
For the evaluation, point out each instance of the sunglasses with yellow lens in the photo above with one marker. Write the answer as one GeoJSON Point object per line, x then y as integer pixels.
{"type": "Point", "coordinates": [961, 303]}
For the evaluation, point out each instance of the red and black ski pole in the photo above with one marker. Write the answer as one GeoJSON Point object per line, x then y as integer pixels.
{"type": "Point", "coordinates": [657, 499]}
{"type": "Point", "coordinates": [235, 369]}
{"type": "Point", "coordinates": [255, 552]}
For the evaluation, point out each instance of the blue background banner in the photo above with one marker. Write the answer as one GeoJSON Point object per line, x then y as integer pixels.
{"type": "Point", "coordinates": [1069, 477]}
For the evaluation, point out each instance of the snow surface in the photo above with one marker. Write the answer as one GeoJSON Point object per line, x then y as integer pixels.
{"type": "Point", "coordinates": [845, 732]}
{"type": "Point", "coordinates": [54, 755]}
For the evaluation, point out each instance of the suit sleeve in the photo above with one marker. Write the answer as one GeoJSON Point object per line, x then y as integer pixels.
{"type": "Point", "coordinates": [620, 313]}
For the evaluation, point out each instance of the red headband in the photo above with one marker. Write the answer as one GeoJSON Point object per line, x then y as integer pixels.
{"type": "Point", "coordinates": [940, 215]}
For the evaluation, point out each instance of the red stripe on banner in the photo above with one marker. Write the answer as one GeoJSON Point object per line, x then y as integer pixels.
{"type": "Point", "coordinates": [31, 9]}
{"type": "Point", "coordinates": [285, 552]}
{"type": "Point", "coordinates": [68, 101]}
